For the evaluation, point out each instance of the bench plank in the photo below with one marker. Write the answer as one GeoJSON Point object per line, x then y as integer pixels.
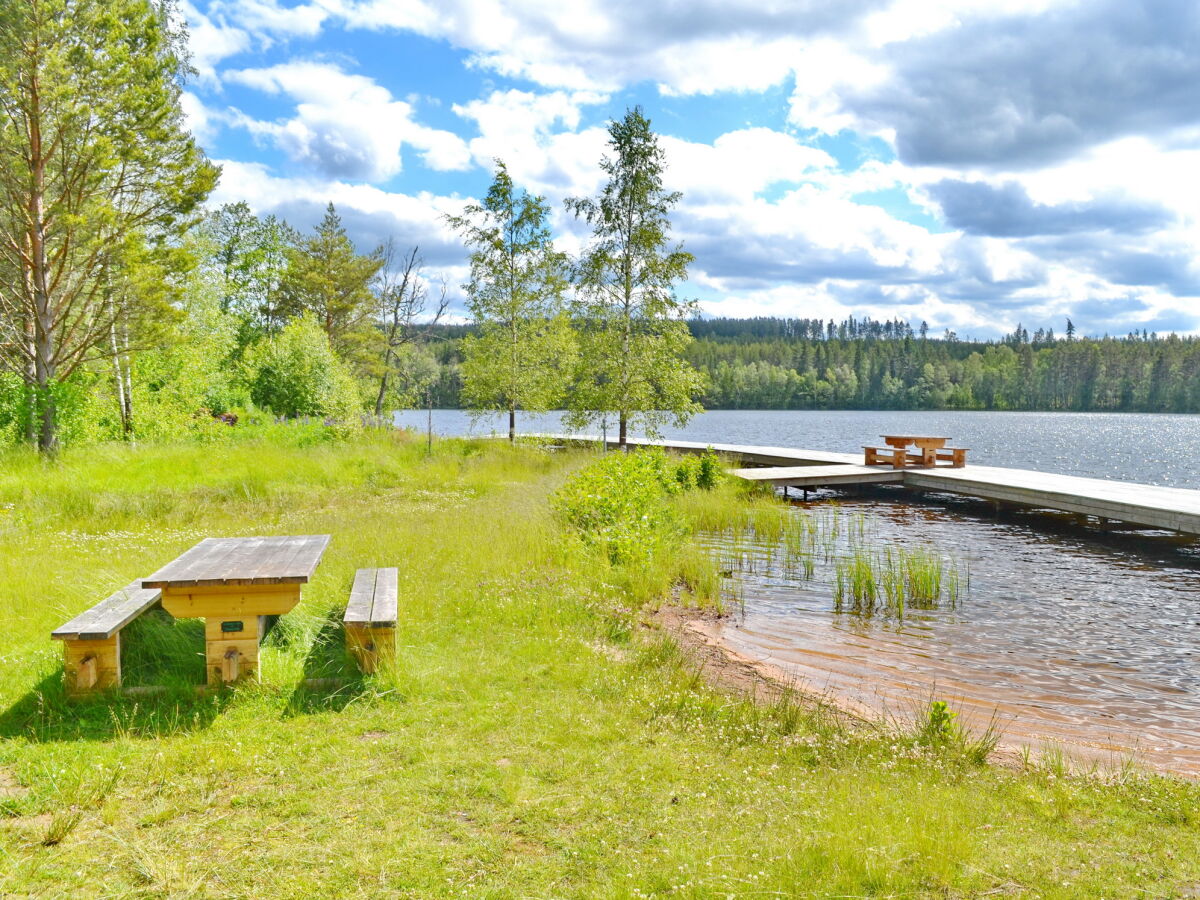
{"type": "Point", "coordinates": [371, 613]}
{"type": "Point", "coordinates": [362, 596]}
{"type": "Point", "coordinates": [110, 615]}
{"type": "Point", "coordinates": [387, 591]}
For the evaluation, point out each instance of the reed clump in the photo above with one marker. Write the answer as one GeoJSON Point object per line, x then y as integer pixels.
{"type": "Point", "coordinates": [832, 546]}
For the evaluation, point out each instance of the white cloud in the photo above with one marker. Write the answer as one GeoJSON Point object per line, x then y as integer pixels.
{"type": "Point", "coordinates": [199, 119]}
{"type": "Point", "coordinates": [211, 41]}
{"type": "Point", "coordinates": [346, 125]}
{"type": "Point", "coordinates": [740, 164]}
{"type": "Point", "coordinates": [268, 20]}
{"type": "Point", "coordinates": [861, 65]}
{"type": "Point", "coordinates": [535, 135]}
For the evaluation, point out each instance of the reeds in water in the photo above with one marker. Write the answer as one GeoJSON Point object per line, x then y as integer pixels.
{"type": "Point", "coordinates": [840, 548]}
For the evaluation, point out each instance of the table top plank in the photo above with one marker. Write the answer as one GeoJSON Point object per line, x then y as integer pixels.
{"type": "Point", "coordinates": [921, 440]}
{"type": "Point", "coordinates": [243, 561]}
{"type": "Point", "coordinates": [305, 546]}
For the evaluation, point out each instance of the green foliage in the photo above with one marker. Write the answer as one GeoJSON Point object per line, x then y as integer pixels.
{"type": "Point", "coordinates": [710, 472]}
{"type": "Point", "coordinates": [524, 351]}
{"type": "Point", "coordinates": [327, 278]}
{"type": "Point", "coordinates": [297, 373]}
{"type": "Point", "coordinates": [808, 364]}
{"type": "Point", "coordinates": [940, 732]}
{"type": "Point", "coordinates": [14, 407]}
{"type": "Point", "coordinates": [939, 726]}
{"type": "Point", "coordinates": [414, 372]}
{"type": "Point", "coordinates": [192, 373]}
{"type": "Point", "coordinates": [100, 177]}
{"type": "Point", "coordinates": [780, 364]}
{"type": "Point", "coordinates": [618, 505]}
{"type": "Point", "coordinates": [246, 260]}
{"type": "Point", "coordinates": [632, 330]}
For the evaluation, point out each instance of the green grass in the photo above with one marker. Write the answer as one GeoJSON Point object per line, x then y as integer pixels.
{"type": "Point", "coordinates": [534, 738]}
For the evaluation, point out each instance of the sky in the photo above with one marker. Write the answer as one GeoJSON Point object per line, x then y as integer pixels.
{"type": "Point", "coordinates": [971, 163]}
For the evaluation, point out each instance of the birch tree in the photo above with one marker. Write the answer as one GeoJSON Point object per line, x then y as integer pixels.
{"type": "Point", "coordinates": [524, 350]}
{"type": "Point", "coordinates": [98, 176]}
{"type": "Point", "coordinates": [633, 329]}
{"type": "Point", "coordinates": [407, 316]}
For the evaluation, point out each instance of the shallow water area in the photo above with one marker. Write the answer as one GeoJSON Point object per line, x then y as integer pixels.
{"type": "Point", "coordinates": [1067, 636]}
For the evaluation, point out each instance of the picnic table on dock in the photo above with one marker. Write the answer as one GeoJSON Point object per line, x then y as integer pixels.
{"type": "Point", "coordinates": [928, 451]}
{"type": "Point", "coordinates": [234, 584]}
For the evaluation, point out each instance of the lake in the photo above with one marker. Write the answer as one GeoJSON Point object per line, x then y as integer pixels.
{"type": "Point", "coordinates": [1153, 449]}
{"type": "Point", "coordinates": [1074, 636]}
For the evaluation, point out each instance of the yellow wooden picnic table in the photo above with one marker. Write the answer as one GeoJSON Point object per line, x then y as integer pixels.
{"type": "Point", "coordinates": [234, 584]}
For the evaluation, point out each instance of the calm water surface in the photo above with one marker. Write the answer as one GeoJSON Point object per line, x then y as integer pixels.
{"type": "Point", "coordinates": [1069, 635]}
{"type": "Point", "coordinates": [1153, 449]}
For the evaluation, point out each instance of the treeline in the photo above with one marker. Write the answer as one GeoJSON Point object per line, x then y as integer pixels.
{"type": "Point", "coordinates": [871, 365]}
{"type": "Point", "coordinates": [779, 363]}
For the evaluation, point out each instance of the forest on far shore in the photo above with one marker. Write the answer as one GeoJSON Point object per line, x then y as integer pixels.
{"type": "Point", "coordinates": [783, 363]}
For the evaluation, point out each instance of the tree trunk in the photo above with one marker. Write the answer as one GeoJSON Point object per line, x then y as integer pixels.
{"type": "Point", "coordinates": [383, 383]}
{"type": "Point", "coordinates": [31, 416]}
{"type": "Point", "coordinates": [44, 370]}
{"type": "Point", "coordinates": [39, 281]}
{"type": "Point", "coordinates": [123, 404]}
{"type": "Point", "coordinates": [127, 369]}
{"type": "Point", "coordinates": [623, 431]}
{"type": "Point", "coordinates": [30, 377]}
{"type": "Point", "coordinates": [46, 412]}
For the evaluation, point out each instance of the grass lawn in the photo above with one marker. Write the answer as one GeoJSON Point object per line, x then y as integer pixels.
{"type": "Point", "coordinates": [527, 743]}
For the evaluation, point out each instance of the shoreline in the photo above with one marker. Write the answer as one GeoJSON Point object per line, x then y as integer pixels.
{"type": "Point", "coordinates": [696, 631]}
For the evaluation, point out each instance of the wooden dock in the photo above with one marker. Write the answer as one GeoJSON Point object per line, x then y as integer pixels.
{"type": "Point", "coordinates": [1142, 505]}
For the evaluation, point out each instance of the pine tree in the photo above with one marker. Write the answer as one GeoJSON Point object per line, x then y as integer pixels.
{"type": "Point", "coordinates": [99, 177]}
{"type": "Point", "coordinates": [327, 277]}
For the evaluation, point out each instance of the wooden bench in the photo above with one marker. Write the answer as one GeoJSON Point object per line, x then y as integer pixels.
{"type": "Point", "coordinates": [885, 456]}
{"type": "Point", "coordinates": [928, 453]}
{"type": "Point", "coordinates": [370, 619]}
{"type": "Point", "coordinates": [956, 456]}
{"type": "Point", "coordinates": [92, 640]}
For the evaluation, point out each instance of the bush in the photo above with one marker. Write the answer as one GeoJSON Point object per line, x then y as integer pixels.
{"type": "Point", "coordinates": [686, 472]}
{"type": "Point", "coordinates": [297, 373]}
{"type": "Point", "coordinates": [617, 504]}
{"type": "Point", "coordinates": [709, 470]}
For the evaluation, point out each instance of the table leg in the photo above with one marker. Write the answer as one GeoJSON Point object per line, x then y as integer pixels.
{"type": "Point", "coordinates": [231, 648]}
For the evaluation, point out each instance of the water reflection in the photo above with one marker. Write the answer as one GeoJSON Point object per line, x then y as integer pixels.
{"type": "Point", "coordinates": [1071, 635]}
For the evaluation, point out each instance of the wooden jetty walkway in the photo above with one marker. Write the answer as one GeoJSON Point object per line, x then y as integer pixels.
{"type": "Point", "coordinates": [1142, 505]}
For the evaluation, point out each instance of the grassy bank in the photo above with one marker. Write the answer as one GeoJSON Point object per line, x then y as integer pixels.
{"type": "Point", "coordinates": [532, 740]}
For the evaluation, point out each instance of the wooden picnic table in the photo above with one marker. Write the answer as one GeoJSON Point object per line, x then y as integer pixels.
{"type": "Point", "coordinates": [929, 449]}
{"type": "Point", "coordinates": [234, 584]}
{"type": "Point", "coordinates": [923, 441]}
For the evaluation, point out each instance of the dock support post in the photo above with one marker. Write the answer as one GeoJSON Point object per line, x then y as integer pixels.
{"type": "Point", "coordinates": [806, 495]}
